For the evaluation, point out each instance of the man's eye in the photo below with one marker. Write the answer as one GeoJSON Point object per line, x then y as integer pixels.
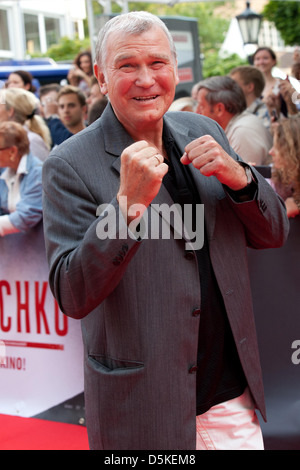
{"type": "Point", "coordinates": [126, 66]}
{"type": "Point", "coordinates": [158, 63]}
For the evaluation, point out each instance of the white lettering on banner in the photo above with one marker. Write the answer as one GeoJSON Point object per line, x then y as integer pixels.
{"type": "Point", "coordinates": [296, 354]}
{"type": "Point", "coordinates": [29, 313]}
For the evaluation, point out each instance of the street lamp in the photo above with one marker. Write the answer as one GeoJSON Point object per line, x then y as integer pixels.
{"type": "Point", "coordinates": [249, 23]}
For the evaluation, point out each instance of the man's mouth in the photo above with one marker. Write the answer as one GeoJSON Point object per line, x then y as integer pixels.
{"type": "Point", "coordinates": [145, 98]}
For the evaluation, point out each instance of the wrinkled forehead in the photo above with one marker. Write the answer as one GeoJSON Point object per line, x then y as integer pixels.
{"type": "Point", "coordinates": [153, 34]}
{"type": "Point", "coordinates": [149, 35]}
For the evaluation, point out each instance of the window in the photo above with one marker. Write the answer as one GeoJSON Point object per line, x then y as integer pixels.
{"type": "Point", "coordinates": [4, 35]}
{"type": "Point", "coordinates": [32, 35]}
{"type": "Point", "coordinates": [41, 32]}
{"type": "Point", "coordinates": [52, 27]}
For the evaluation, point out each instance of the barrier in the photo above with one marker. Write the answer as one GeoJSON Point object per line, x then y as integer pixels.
{"type": "Point", "coordinates": [41, 352]}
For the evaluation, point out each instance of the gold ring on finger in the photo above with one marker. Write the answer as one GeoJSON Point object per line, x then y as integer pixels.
{"type": "Point", "coordinates": [158, 159]}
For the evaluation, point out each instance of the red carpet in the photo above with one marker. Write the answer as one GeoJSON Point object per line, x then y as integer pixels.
{"type": "Point", "coordinates": [35, 434]}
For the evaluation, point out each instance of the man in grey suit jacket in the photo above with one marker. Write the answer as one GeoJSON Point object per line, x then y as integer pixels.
{"type": "Point", "coordinates": [167, 320]}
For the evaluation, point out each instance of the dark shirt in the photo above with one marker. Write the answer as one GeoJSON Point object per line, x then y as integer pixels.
{"type": "Point", "coordinates": [219, 373]}
{"type": "Point", "coordinates": [59, 133]}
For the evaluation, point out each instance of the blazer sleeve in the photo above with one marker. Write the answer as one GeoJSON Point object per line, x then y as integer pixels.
{"type": "Point", "coordinates": [84, 269]}
{"type": "Point", "coordinates": [264, 217]}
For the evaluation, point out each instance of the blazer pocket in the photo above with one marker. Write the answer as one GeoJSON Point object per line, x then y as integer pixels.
{"type": "Point", "coordinates": [110, 365]}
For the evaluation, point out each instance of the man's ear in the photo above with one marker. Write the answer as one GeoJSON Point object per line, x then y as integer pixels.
{"type": "Point", "coordinates": [101, 79]}
{"type": "Point", "coordinates": [13, 153]}
{"type": "Point", "coordinates": [250, 87]}
{"type": "Point", "coordinates": [219, 109]}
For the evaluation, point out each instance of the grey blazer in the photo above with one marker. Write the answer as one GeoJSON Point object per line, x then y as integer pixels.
{"type": "Point", "coordinates": [136, 298]}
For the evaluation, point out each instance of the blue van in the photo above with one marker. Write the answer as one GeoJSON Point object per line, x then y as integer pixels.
{"type": "Point", "coordinates": [44, 71]}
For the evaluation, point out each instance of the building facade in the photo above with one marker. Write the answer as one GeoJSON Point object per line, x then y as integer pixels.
{"type": "Point", "coordinates": [31, 26]}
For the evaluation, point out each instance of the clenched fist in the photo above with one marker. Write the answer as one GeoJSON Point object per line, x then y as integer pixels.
{"type": "Point", "coordinates": [142, 172]}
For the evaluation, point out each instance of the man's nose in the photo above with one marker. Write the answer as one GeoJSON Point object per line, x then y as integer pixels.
{"type": "Point", "coordinates": [145, 77]}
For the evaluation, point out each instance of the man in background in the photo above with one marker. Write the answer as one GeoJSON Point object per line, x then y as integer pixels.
{"type": "Point", "coordinates": [222, 99]}
{"type": "Point", "coordinates": [252, 82]}
{"type": "Point", "coordinates": [72, 108]}
{"type": "Point", "coordinates": [49, 110]}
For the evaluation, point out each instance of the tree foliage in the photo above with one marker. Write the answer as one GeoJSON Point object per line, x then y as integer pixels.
{"type": "Point", "coordinates": [215, 65]}
{"type": "Point", "coordinates": [212, 28]}
{"type": "Point", "coordinates": [66, 50]}
{"type": "Point", "coordinates": [285, 15]}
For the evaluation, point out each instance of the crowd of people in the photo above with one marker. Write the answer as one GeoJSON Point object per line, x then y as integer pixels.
{"type": "Point", "coordinates": [44, 116]}
{"type": "Point", "coordinates": [248, 104]}
{"type": "Point", "coordinates": [253, 107]}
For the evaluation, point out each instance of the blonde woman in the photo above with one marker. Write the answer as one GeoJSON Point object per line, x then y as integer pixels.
{"type": "Point", "coordinates": [286, 163]}
{"type": "Point", "coordinates": [20, 181]}
{"type": "Point", "coordinates": [22, 106]}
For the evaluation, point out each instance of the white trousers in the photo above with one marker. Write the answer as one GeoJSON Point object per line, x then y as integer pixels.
{"type": "Point", "coordinates": [232, 425]}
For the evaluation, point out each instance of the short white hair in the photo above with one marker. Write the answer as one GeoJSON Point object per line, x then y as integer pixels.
{"type": "Point", "coordinates": [136, 22]}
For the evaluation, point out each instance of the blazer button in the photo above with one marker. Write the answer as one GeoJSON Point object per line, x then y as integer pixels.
{"type": "Point", "coordinates": [196, 312]}
{"type": "Point", "coordinates": [193, 369]}
{"type": "Point", "coordinates": [189, 255]}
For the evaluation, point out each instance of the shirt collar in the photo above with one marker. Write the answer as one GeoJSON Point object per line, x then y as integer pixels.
{"type": "Point", "coordinates": [22, 168]}
{"type": "Point", "coordinates": [8, 173]}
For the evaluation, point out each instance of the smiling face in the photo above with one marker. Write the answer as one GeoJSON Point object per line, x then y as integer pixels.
{"type": "Point", "coordinates": [15, 81]}
{"type": "Point", "coordinates": [264, 61]}
{"type": "Point", "coordinates": [85, 64]}
{"type": "Point", "coordinates": [140, 78]}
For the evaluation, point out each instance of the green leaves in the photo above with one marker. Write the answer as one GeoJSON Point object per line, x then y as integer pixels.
{"type": "Point", "coordinates": [285, 16]}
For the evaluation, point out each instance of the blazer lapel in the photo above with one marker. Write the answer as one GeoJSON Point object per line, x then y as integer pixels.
{"type": "Point", "coordinates": [116, 139]}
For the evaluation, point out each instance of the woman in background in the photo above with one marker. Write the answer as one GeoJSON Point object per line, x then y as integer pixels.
{"type": "Point", "coordinates": [22, 106]}
{"type": "Point", "coordinates": [82, 73]}
{"type": "Point", "coordinates": [20, 182]}
{"type": "Point", "coordinates": [286, 163]}
{"type": "Point", "coordinates": [21, 79]}
{"type": "Point", "coordinates": [265, 60]}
